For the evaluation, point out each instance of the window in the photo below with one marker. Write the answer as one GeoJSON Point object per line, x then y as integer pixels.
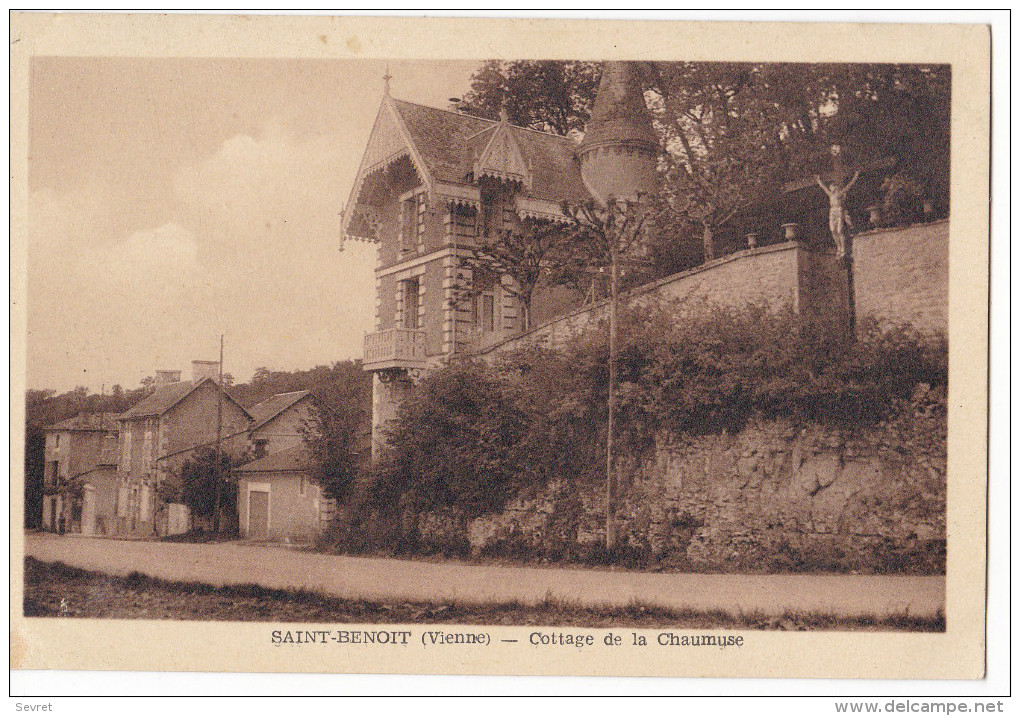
{"type": "Point", "coordinates": [303, 486]}
{"type": "Point", "coordinates": [490, 217]}
{"type": "Point", "coordinates": [413, 208]}
{"type": "Point", "coordinates": [420, 226]}
{"type": "Point", "coordinates": [483, 304]}
{"type": "Point", "coordinates": [260, 447]}
{"type": "Point", "coordinates": [52, 471]}
{"type": "Point", "coordinates": [147, 451]}
{"type": "Point", "coordinates": [412, 304]}
{"type": "Point", "coordinates": [498, 214]}
{"type": "Point", "coordinates": [57, 442]}
{"type": "Point", "coordinates": [125, 456]}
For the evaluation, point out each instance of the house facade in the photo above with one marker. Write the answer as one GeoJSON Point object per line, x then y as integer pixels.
{"type": "Point", "coordinates": [279, 422]}
{"type": "Point", "coordinates": [277, 499]}
{"type": "Point", "coordinates": [433, 183]}
{"type": "Point", "coordinates": [163, 431]}
{"type": "Point", "coordinates": [79, 454]}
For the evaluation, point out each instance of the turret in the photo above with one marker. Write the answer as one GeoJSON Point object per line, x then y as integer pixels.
{"type": "Point", "coordinates": [619, 151]}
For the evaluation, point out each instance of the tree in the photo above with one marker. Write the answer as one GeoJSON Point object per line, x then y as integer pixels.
{"type": "Point", "coordinates": [734, 132]}
{"type": "Point", "coordinates": [200, 481]}
{"type": "Point", "coordinates": [607, 232]}
{"type": "Point", "coordinates": [452, 445]}
{"type": "Point", "coordinates": [585, 255]}
{"type": "Point", "coordinates": [548, 95]}
{"type": "Point", "coordinates": [525, 256]}
{"type": "Point", "coordinates": [729, 129]}
{"type": "Point", "coordinates": [900, 111]}
{"type": "Point", "coordinates": [337, 433]}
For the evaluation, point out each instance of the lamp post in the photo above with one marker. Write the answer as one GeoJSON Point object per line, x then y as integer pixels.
{"type": "Point", "coordinates": [619, 225]}
{"type": "Point", "coordinates": [614, 252]}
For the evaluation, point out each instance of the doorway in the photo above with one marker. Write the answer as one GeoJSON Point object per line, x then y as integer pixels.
{"type": "Point", "coordinates": [258, 514]}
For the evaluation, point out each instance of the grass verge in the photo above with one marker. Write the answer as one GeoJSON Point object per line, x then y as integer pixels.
{"type": "Point", "coordinates": [54, 589]}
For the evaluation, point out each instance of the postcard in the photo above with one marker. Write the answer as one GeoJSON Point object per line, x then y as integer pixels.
{"type": "Point", "coordinates": [499, 346]}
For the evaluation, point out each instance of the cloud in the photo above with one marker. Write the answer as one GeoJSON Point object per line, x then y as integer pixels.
{"type": "Point", "coordinates": [167, 255]}
{"type": "Point", "coordinates": [267, 207]}
{"type": "Point", "coordinates": [245, 244]}
{"type": "Point", "coordinates": [273, 185]}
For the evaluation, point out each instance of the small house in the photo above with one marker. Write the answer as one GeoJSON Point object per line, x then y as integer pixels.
{"type": "Point", "coordinates": [163, 431]}
{"type": "Point", "coordinates": [80, 457]}
{"type": "Point", "coordinates": [276, 498]}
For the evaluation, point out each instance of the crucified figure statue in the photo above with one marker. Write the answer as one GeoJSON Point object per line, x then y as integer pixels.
{"type": "Point", "coordinates": [839, 217]}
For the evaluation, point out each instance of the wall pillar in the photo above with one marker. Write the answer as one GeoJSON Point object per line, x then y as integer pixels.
{"type": "Point", "coordinates": [387, 395]}
{"type": "Point", "coordinates": [88, 510]}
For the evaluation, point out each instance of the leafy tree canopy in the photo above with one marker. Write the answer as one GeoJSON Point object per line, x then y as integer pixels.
{"type": "Point", "coordinates": [733, 133]}
{"type": "Point", "coordinates": [548, 95]}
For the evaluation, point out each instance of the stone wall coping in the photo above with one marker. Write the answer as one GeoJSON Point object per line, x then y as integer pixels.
{"type": "Point", "coordinates": [904, 227]}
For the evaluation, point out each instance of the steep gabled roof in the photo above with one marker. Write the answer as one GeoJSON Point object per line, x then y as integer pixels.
{"type": "Point", "coordinates": [503, 158]}
{"type": "Point", "coordinates": [295, 459]}
{"type": "Point", "coordinates": [447, 141]}
{"type": "Point", "coordinates": [555, 171]}
{"type": "Point", "coordinates": [273, 407]}
{"type": "Point", "coordinates": [443, 148]}
{"type": "Point", "coordinates": [88, 422]}
{"type": "Point", "coordinates": [167, 396]}
{"type": "Point", "coordinates": [441, 137]}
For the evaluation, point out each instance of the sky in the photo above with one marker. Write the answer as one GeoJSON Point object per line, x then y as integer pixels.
{"type": "Point", "coordinates": [172, 200]}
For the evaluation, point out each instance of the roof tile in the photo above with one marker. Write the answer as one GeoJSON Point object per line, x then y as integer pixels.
{"type": "Point", "coordinates": [292, 459]}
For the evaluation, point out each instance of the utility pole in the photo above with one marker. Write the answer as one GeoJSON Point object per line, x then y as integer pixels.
{"type": "Point", "coordinates": [614, 250]}
{"type": "Point", "coordinates": [219, 442]}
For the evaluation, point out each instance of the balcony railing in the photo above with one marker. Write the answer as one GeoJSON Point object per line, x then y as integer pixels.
{"type": "Point", "coordinates": [395, 348]}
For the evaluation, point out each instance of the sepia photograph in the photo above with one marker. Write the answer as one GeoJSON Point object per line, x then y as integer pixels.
{"type": "Point", "coordinates": [496, 351]}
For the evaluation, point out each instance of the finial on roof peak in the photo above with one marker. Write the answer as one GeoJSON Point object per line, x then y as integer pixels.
{"type": "Point", "coordinates": [386, 80]}
{"type": "Point", "coordinates": [504, 116]}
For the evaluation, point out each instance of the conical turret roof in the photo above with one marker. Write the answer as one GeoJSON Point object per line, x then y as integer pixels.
{"type": "Point", "coordinates": [619, 114]}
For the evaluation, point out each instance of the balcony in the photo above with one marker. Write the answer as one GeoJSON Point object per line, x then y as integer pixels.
{"type": "Point", "coordinates": [395, 348]}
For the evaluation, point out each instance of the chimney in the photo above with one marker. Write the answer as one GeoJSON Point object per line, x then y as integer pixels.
{"type": "Point", "coordinates": [166, 377]}
{"type": "Point", "coordinates": [205, 369]}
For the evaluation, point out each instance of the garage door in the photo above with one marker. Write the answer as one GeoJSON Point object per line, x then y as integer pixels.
{"type": "Point", "coordinates": [258, 514]}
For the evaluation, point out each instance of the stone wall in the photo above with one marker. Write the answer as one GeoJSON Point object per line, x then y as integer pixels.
{"type": "Point", "coordinates": [899, 274]}
{"type": "Point", "coordinates": [787, 275]}
{"type": "Point", "coordinates": [902, 275]}
{"type": "Point", "coordinates": [774, 497]}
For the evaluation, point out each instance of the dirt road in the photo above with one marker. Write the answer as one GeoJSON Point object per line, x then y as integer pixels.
{"type": "Point", "coordinates": [391, 579]}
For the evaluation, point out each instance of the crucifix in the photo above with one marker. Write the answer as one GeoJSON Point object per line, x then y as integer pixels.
{"type": "Point", "coordinates": [839, 218]}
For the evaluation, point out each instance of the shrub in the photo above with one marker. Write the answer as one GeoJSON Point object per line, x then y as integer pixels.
{"type": "Point", "coordinates": [474, 436]}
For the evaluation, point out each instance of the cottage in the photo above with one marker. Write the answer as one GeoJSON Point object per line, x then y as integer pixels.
{"type": "Point", "coordinates": [278, 500]}
{"type": "Point", "coordinates": [163, 431]}
{"type": "Point", "coordinates": [80, 464]}
{"type": "Point", "coordinates": [433, 182]}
